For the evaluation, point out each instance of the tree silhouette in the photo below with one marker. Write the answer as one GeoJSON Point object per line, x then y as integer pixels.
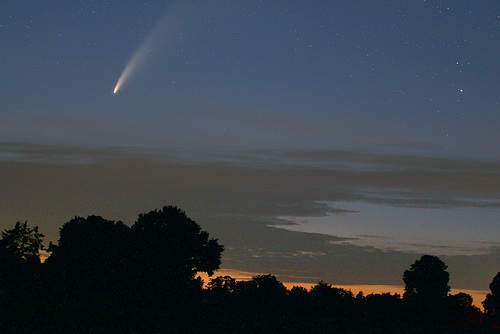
{"type": "Point", "coordinates": [221, 289]}
{"type": "Point", "coordinates": [492, 302]}
{"type": "Point", "coordinates": [269, 285]}
{"type": "Point", "coordinates": [20, 257]}
{"type": "Point", "coordinates": [382, 307]}
{"type": "Point", "coordinates": [426, 287]}
{"type": "Point", "coordinates": [298, 300]}
{"type": "Point", "coordinates": [90, 256]}
{"type": "Point", "coordinates": [22, 242]}
{"type": "Point", "coordinates": [331, 301]}
{"type": "Point", "coordinates": [169, 249]}
{"type": "Point", "coordinates": [461, 311]}
{"type": "Point", "coordinates": [427, 279]}
{"type": "Point", "coordinates": [222, 283]}
{"type": "Point", "coordinates": [105, 269]}
{"type": "Point", "coordinates": [245, 296]}
{"type": "Point", "coordinates": [269, 291]}
{"type": "Point", "coordinates": [263, 293]}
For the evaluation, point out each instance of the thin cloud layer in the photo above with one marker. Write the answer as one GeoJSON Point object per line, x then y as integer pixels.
{"type": "Point", "coordinates": [238, 195]}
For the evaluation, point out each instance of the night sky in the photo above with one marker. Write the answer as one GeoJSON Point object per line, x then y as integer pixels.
{"type": "Point", "coordinates": [318, 140]}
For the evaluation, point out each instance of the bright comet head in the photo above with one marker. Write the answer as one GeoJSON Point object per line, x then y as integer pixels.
{"type": "Point", "coordinates": [117, 86]}
{"type": "Point", "coordinates": [143, 53]}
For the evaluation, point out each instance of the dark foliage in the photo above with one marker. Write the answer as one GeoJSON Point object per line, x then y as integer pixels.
{"type": "Point", "coordinates": [331, 301]}
{"type": "Point", "coordinates": [383, 307]}
{"type": "Point", "coordinates": [168, 250]}
{"type": "Point", "coordinates": [299, 301]}
{"type": "Point", "coordinates": [461, 312]}
{"type": "Point", "coordinates": [20, 259]}
{"type": "Point", "coordinates": [262, 292]}
{"type": "Point", "coordinates": [22, 242]}
{"type": "Point", "coordinates": [426, 289]}
{"type": "Point", "coordinates": [152, 263]}
{"type": "Point", "coordinates": [492, 301]}
{"type": "Point", "coordinates": [103, 277]}
{"type": "Point", "coordinates": [427, 279]}
{"type": "Point", "coordinates": [90, 257]}
{"type": "Point", "coordinates": [220, 291]}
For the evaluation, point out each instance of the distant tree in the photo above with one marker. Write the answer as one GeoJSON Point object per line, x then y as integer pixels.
{"type": "Point", "coordinates": [269, 285]}
{"type": "Point", "coordinates": [382, 307]}
{"type": "Point", "coordinates": [270, 292]}
{"type": "Point", "coordinates": [426, 287]}
{"type": "Point", "coordinates": [20, 257]}
{"type": "Point", "coordinates": [299, 300]}
{"type": "Point", "coordinates": [244, 291]}
{"type": "Point", "coordinates": [222, 283]}
{"type": "Point", "coordinates": [169, 249]}
{"type": "Point", "coordinates": [461, 310]}
{"type": "Point", "coordinates": [460, 300]}
{"type": "Point", "coordinates": [427, 279]}
{"type": "Point", "coordinates": [261, 293]}
{"type": "Point", "coordinates": [221, 289]}
{"type": "Point", "coordinates": [360, 295]}
{"type": "Point", "coordinates": [298, 291]}
{"type": "Point", "coordinates": [22, 242]}
{"type": "Point", "coordinates": [90, 256]}
{"type": "Point", "coordinates": [331, 301]}
{"type": "Point", "coordinates": [321, 289]}
{"type": "Point", "coordinates": [492, 302]}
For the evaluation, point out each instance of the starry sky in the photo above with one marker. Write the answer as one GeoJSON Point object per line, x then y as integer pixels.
{"type": "Point", "coordinates": [327, 140]}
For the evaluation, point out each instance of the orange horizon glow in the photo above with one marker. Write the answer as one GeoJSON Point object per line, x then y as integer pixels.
{"type": "Point", "coordinates": [478, 296]}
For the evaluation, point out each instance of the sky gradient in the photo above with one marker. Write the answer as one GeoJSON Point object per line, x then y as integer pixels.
{"type": "Point", "coordinates": [317, 140]}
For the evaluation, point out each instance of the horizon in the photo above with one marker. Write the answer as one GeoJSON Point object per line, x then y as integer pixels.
{"type": "Point", "coordinates": [478, 296]}
{"type": "Point", "coordinates": [243, 197]}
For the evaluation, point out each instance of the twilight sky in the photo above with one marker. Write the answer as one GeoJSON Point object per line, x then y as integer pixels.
{"type": "Point", "coordinates": [324, 140]}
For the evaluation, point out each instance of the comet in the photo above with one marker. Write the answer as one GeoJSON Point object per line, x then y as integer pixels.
{"type": "Point", "coordinates": [136, 61]}
{"type": "Point", "coordinates": [163, 31]}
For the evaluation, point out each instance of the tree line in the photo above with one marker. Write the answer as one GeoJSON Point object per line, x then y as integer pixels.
{"type": "Point", "coordinates": [153, 265]}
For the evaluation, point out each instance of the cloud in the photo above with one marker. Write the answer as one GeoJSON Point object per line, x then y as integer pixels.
{"type": "Point", "coordinates": [237, 195]}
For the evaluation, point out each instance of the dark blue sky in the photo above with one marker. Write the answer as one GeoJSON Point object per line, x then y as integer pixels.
{"type": "Point", "coordinates": [271, 73]}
